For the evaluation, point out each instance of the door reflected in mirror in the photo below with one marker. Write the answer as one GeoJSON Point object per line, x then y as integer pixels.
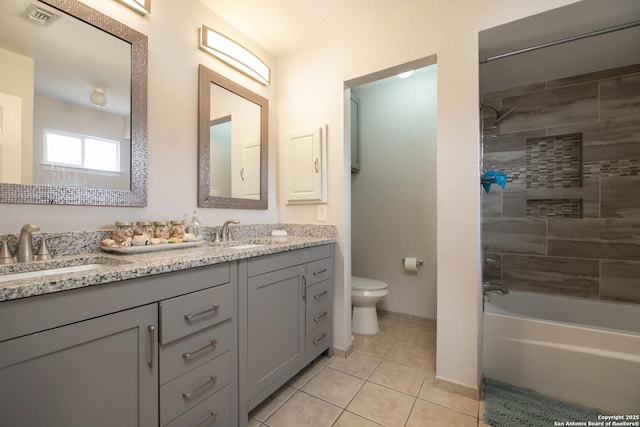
{"type": "Point", "coordinates": [233, 144]}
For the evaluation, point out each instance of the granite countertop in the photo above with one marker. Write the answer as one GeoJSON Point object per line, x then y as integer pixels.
{"type": "Point", "coordinates": [118, 267]}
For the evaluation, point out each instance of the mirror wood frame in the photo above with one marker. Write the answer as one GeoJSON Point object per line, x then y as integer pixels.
{"type": "Point", "coordinates": [205, 200]}
{"type": "Point", "coordinates": [69, 195]}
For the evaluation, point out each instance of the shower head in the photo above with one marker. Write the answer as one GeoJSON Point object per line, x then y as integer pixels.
{"type": "Point", "coordinates": [501, 115]}
{"type": "Point", "coordinates": [504, 115]}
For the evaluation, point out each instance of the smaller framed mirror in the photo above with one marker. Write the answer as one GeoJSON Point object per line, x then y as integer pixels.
{"type": "Point", "coordinates": [233, 140]}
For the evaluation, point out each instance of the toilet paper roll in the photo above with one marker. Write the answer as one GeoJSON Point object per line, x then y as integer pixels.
{"type": "Point", "coordinates": [411, 264]}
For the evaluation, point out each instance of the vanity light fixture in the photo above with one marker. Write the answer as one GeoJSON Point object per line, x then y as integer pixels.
{"type": "Point", "coordinates": [98, 97]}
{"type": "Point", "coordinates": [233, 54]}
{"type": "Point", "coordinates": [141, 6]}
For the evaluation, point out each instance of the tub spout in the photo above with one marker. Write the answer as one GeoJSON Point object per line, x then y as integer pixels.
{"type": "Point", "coordinates": [491, 287]}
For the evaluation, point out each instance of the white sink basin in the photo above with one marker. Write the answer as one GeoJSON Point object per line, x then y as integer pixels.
{"type": "Point", "coordinates": [50, 272]}
{"type": "Point", "coordinates": [246, 246]}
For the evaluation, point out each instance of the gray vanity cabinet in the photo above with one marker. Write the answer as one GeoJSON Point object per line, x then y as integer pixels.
{"type": "Point", "coordinates": [198, 358]}
{"type": "Point", "coordinates": [100, 372]}
{"type": "Point", "coordinates": [275, 336]}
{"type": "Point", "coordinates": [147, 352]}
{"type": "Point", "coordinates": [285, 317]}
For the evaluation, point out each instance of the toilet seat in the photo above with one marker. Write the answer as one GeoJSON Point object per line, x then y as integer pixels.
{"type": "Point", "coordinates": [362, 284]}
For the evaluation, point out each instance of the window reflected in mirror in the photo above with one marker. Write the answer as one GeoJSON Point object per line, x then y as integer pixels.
{"type": "Point", "coordinates": [73, 89]}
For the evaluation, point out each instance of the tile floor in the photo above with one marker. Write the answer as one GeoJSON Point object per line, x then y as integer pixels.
{"type": "Point", "coordinates": [386, 381]}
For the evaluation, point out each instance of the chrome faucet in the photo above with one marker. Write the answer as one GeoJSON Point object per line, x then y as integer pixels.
{"type": "Point", "coordinates": [225, 229]}
{"type": "Point", "coordinates": [25, 243]}
{"type": "Point", "coordinates": [491, 287]}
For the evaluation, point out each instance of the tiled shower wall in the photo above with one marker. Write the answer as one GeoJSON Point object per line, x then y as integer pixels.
{"type": "Point", "coordinates": [568, 221]}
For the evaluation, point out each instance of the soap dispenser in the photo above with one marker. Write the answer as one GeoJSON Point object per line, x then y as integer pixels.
{"type": "Point", "coordinates": [196, 226]}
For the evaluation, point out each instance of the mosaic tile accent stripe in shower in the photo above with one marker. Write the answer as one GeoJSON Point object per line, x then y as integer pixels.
{"type": "Point", "coordinates": [606, 168]}
{"type": "Point", "coordinates": [554, 208]}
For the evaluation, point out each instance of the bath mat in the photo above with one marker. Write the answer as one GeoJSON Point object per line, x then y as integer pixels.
{"type": "Point", "coordinates": [509, 406]}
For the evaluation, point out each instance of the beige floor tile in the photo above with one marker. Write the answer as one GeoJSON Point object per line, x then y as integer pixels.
{"type": "Point", "coordinates": [483, 424]}
{"type": "Point", "coordinates": [432, 415]}
{"type": "Point", "coordinates": [254, 423]}
{"type": "Point", "coordinates": [375, 345]}
{"type": "Point", "coordinates": [481, 409]}
{"type": "Point", "coordinates": [302, 410]}
{"type": "Point", "coordinates": [398, 377]}
{"type": "Point", "coordinates": [382, 405]}
{"type": "Point", "coordinates": [334, 386]}
{"type": "Point", "coordinates": [305, 375]}
{"type": "Point", "coordinates": [273, 402]}
{"type": "Point", "coordinates": [417, 338]}
{"type": "Point", "coordinates": [348, 419]}
{"type": "Point", "coordinates": [358, 364]}
{"type": "Point", "coordinates": [450, 400]}
{"type": "Point", "coordinates": [416, 357]}
{"type": "Point", "coordinates": [323, 360]}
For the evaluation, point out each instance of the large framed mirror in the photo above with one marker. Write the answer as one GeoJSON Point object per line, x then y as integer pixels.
{"type": "Point", "coordinates": [73, 106]}
{"type": "Point", "coordinates": [233, 142]}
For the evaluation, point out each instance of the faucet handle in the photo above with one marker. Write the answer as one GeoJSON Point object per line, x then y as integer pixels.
{"type": "Point", "coordinates": [5, 253]}
{"type": "Point", "coordinates": [43, 253]}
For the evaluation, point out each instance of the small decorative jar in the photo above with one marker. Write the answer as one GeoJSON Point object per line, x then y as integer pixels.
{"type": "Point", "coordinates": [123, 233]}
{"type": "Point", "coordinates": [161, 230]}
{"type": "Point", "coordinates": [144, 228]}
{"type": "Point", "coordinates": [177, 230]}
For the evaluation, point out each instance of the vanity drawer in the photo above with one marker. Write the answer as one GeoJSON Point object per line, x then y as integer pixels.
{"type": "Point", "coordinates": [185, 392]}
{"type": "Point", "coordinates": [319, 338]}
{"type": "Point", "coordinates": [320, 270]}
{"type": "Point", "coordinates": [190, 313]}
{"type": "Point", "coordinates": [318, 304]}
{"type": "Point", "coordinates": [213, 411]}
{"type": "Point", "coordinates": [184, 354]}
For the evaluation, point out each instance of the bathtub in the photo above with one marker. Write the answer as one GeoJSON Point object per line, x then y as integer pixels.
{"type": "Point", "coordinates": [579, 350]}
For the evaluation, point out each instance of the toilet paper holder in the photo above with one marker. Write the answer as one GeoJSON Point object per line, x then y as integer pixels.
{"type": "Point", "coordinates": [419, 262]}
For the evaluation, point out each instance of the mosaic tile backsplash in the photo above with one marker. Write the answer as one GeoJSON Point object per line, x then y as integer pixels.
{"type": "Point", "coordinates": [567, 221]}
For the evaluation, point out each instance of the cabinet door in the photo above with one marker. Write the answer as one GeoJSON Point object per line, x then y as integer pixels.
{"type": "Point", "coordinates": [100, 372]}
{"type": "Point", "coordinates": [305, 167]}
{"type": "Point", "coordinates": [275, 326]}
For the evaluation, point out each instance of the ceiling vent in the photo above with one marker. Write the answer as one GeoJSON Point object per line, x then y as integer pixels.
{"type": "Point", "coordinates": [39, 15]}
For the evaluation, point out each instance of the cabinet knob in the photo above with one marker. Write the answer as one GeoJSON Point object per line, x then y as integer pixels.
{"type": "Point", "coordinates": [195, 352]}
{"type": "Point", "coordinates": [212, 416]}
{"type": "Point", "coordinates": [320, 295]}
{"type": "Point", "coordinates": [152, 339]}
{"type": "Point", "coordinates": [200, 388]}
{"type": "Point", "coordinates": [212, 309]}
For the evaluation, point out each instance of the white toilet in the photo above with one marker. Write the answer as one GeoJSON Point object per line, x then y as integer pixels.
{"type": "Point", "coordinates": [365, 294]}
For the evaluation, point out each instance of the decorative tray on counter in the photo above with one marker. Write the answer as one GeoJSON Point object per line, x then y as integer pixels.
{"type": "Point", "coordinates": [150, 248]}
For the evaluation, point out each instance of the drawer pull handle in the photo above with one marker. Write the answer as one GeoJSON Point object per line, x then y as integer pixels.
{"type": "Point", "coordinates": [212, 416]}
{"type": "Point", "coordinates": [319, 318]}
{"type": "Point", "coordinates": [319, 340]}
{"type": "Point", "coordinates": [317, 273]}
{"type": "Point", "coordinates": [320, 295]}
{"type": "Point", "coordinates": [191, 316]}
{"type": "Point", "coordinates": [195, 352]}
{"type": "Point", "coordinates": [200, 388]}
{"type": "Point", "coordinates": [152, 339]}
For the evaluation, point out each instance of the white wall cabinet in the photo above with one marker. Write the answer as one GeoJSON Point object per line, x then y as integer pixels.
{"type": "Point", "coordinates": [305, 166]}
